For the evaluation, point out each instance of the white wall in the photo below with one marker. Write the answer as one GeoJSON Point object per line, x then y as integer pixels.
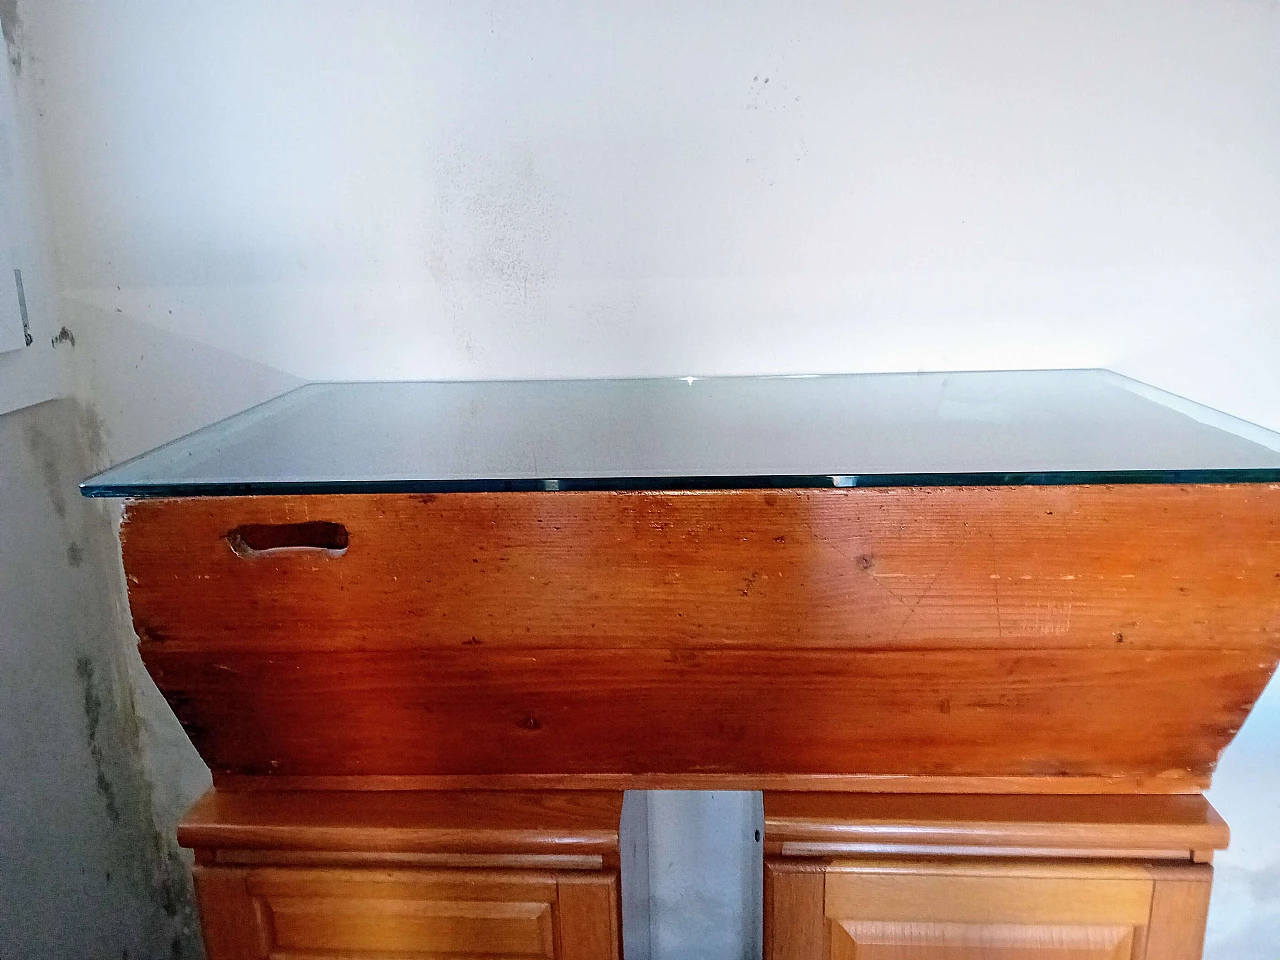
{"type": "Point", "coordinates": [39, 372]}
{"type": "Point", "coordinates": [423, 189]}
{"type": "Point", "coordinates": [83, 871]}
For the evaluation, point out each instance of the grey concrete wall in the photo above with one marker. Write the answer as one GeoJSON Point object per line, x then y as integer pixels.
{"type": "Point", "coordinates": [83, 870]}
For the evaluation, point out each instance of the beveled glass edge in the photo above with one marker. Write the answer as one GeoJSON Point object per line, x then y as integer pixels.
{"type": "Point", "coordinates": [1055, 478]}
{"type": "Point", "coordinates": [1199, 412]}
{"type": "Point", "coordinates": [100, 482]}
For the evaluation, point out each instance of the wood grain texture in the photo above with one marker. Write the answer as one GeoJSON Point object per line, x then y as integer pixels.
{"type": "Point", "coordinates": [229, 920]}
{"type": "Point", "coordinates": [1149, 566]}
{"type": "Point", "coordinates": [253, 914]}
{"type": "Point", "coordinates": [1058, 713]}
{"type": "Point", "coordinates": [1179, 911]}
{"type": "Point", "coordinates": [1170, 782]}
{"type": "Point", "coordinates": [814, 824]}
{"type": "Point", "coordinates": [588, 909]}
{"type": "Point", "coordinates": [795, 925]}
{"type": "Point", "coordinates": [446, 822]}
{"type": "Point", "coordinates": [412, 914]}
{"type": "Point", "coordinates": [980, 892]}
{"type": "Point", "coordinates": [284, 901]}
{"type": "Point", "coordinates": [1110, 635]}
{"type": "Point", "coordinates": [342, 859]}
{"type": "Point", "coordinates": [913, 909]}
{"type": "Point", "coordinates": [872, 940]}
{"type": "Point", "coordinates": [410, 928]}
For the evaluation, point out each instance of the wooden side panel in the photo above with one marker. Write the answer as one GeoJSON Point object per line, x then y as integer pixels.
{"type": "Point", "coordinates": [795, 926]}
{"type": "Point", "coordinates": [228, 918]}
{"type": "Point", "coordinates": [1179, 910]}
{"type": "Point", "coordinates": [476, 711]}
{"type": "Point", "coordinates": [589, 910]}
{"type": "Point", "coordinates": [1083, 566]}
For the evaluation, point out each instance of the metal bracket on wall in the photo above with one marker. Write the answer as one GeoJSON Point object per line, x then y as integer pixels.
{"type": "Point", "coordinates": [22, 306]}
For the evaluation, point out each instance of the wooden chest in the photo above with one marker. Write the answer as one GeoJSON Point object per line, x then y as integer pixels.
{"type": "Point", "coordinates": [1053, 637]}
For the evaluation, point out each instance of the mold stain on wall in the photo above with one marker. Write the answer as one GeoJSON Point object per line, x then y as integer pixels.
{"type": "Point", "coordinates": [82, 837]}
{"type": "Point", "coordinates": [93, 717]}
{"type": "Point", "coordinates": [494, 226]}
{"type": "Point", "coordinates": [11, 27]}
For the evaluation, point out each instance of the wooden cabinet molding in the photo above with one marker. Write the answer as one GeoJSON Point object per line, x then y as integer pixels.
{"type": "Point", "coordinates": [1088, 893]}
{"type": "Point", "coordinates": [418, 876]}
{"type": "Point", "coordinates": [1174, 827]}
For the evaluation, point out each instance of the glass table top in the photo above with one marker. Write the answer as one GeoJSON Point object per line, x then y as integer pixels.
{"type": "Point", "coordinates": [911, 429]}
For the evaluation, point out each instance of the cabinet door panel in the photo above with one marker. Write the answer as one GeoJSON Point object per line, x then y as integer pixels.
{"type": "Point", "coordinates": [279, 914]}
{"type": "Point", "coordinates": [904, 910]}
{"type": "Point", "coordinates": [412, 927]}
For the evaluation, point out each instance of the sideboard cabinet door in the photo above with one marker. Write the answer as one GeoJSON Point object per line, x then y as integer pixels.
{"type": "Point", "coordinates": [985, 910]}
{"type": "Point", "coordinates": [257, 914]}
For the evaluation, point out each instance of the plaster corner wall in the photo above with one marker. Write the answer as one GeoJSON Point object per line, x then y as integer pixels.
{"type": "Point", "coordinates": [40, 371]}
{"type": "Point", "coordinates": [142, 385]}
{"type": "Point", "coordinates": [84, 871]}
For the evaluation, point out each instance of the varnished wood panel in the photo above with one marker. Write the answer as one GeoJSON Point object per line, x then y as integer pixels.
{"type": "Point", "coordinates": [795, 925]}
{"type": "Point", "coordinates": [1179, 911]}
{"type": "Point", "coordinates": [868, 940]}
{"type": "Point", "coordinates": [1121, 567]}
{"type": "Point", "coordinates": [589, 910]}
{"type": "Point", "coordinates": [966, 910]}
{"type": "Point", "coordinates": [412, 914]}
{"type": "Point", "coordinates": [1057, 713]}
{"type": "Point", "coordinates": [383, 884]}
{"type": "Point", "coordinates": [1170, 782]}
{"type": "Point", "coordinates": [982, 892]}
{"type": "Point", "coordinates": [811, 823]}
{"type": "Point", "coordinates": [417, 928]}
{"type": "Point", "coordinates": [229, 921]}
{"type": "Point", "coordinates": [284, 901]}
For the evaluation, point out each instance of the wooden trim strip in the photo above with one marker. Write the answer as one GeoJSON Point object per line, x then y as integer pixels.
{"type": "Point", "coordinates": [819, 850]}
{"type": "Point", "coordinates": [374, 858]}
{"type": "Point", "coordinates": [834, 783]}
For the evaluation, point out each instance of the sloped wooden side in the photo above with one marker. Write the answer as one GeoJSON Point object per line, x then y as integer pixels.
{"type": "Point", "coordinates": [1030, 632]}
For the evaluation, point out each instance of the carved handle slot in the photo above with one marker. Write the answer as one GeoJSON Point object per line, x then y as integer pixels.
{"type": "Point", "coordinates": [258, 539]}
